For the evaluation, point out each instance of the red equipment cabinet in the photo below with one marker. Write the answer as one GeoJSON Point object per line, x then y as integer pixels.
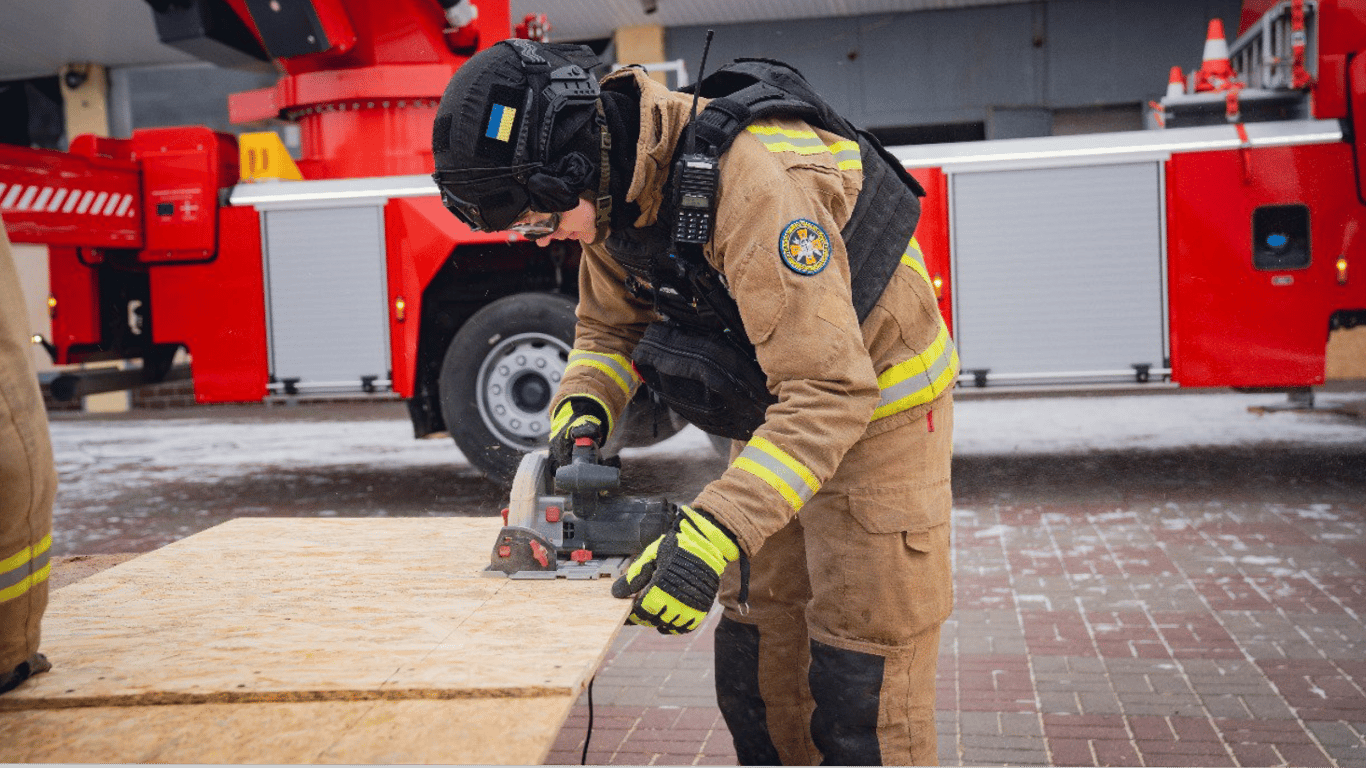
{"type": "Point", "coordinates": [1216, 253]}
{"type": "Point", "coordinates": [1235, 323]}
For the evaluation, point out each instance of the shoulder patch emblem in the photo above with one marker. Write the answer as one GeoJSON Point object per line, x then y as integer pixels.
{"type": "Point", "coordinates": [804, 246]}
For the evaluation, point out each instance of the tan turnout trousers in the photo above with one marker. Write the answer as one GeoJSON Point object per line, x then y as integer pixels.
{"type": "Point", "coordinates": [844, 611]}
{"type": "Point", "coordinates": [28, 482]}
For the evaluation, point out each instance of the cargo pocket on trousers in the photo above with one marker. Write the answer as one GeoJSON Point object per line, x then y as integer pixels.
{"type": "Point", "coordinates": [912, 511]}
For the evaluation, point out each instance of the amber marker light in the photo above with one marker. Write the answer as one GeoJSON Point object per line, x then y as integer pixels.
{"type": "Point", "coordinates": [400, 309]}
{"type": "Point", "coordinates": [51, 305]}
{"type": "Point", "coordinates": [1342, 270]}
{"type": "Point", "coordinates": [938, 287]}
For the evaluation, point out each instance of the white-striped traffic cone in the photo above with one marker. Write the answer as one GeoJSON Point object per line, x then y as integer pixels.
{"type": "Point", "coordinates": [1176, 83]}
{"type": "Point", "coordinates": [1215, 73]}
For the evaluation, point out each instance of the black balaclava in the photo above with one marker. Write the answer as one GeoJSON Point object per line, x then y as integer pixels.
{"type": "Point", "coordinates": [621, 110]}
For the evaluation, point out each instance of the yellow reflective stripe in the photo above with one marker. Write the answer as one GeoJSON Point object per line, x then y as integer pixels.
{"type": "Point", "coordinates": [915, 259]}
{"type": "Point", "coordinates": [789, 477]}
{"type": "Point", "coordinates": [787, 146]}
{"type": "Point", "coordinates": [25, 584]}
{"type": "Point", "coordinates": [765, 132]}
{"type": "Point", "coordinates": [919, 380]}
{"type": "Point", "coordinates": [847, 155]}
{"type": "Point", "coordinates": [20, 571]}
{"type": "Point", "coordinates": [24, 555]}
{"type": "Point", "coordinates": [616, 367]}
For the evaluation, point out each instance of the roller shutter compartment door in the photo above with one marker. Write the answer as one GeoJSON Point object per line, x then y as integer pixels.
{"type": "Point", "coordinates": [325, 278]}
{"type": "Point", "coordinates": [1059, 270]}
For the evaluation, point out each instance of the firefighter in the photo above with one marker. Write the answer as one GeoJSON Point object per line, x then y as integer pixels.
{"type": "Point", "coordinates": [827, 536]}
{"type": "Point", "coordinates": [28, 483]}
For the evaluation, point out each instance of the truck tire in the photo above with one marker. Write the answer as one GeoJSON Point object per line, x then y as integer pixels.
{"type": "Point", "coordinates": [499, 374]}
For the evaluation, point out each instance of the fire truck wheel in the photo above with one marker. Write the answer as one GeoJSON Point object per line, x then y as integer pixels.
{"type": "Point", "coordinates": [499, 374]}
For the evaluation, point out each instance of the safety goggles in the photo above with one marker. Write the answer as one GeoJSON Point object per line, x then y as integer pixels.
{"type": "Point", "coordinates": [490, 204]}
{"type": "Point", "coordinates": [534, 225]}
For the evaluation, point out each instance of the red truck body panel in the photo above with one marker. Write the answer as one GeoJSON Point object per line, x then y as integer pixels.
{"type": "Point", "coordinates": [224, 328]}
{"type": "Point", "coordinates": [1231, 323]}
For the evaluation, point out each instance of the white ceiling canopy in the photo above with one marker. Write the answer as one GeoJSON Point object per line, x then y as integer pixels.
{"type": "Point", "coordinates": [589, 19]}
{"type": "Point", "coordinates": [37, 38]}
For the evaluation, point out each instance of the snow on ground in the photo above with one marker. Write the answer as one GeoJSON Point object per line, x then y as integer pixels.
{"type": "Point", "coordinates": [205, 447]}
{"type": "Point", "coordinates": [1146, 422]}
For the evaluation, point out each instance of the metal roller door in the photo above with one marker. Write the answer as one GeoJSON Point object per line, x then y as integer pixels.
{"type": "Point", "coordinates": [326, 287]}
{"type": "Point", "coordinates": [1058, 272]}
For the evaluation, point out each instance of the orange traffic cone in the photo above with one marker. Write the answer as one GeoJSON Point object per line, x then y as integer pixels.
{"type": "Point", "coordinates": [1215, 73]}
{"type": "Point", "coordinates": [1176, 83]}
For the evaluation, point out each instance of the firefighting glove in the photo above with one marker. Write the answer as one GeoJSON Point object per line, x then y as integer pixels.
{"type": "Point", "coordinates": [676, 578]}
{"type": "Point", "coordinates": [577, 416]}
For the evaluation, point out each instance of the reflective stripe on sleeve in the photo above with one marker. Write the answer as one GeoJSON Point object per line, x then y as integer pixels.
{"type": "Point", "coordinates": [21, 571]}
{"type": "Point", "coordinates": [789, 477]}
{"type": "Point", "coordinates": [914, 258]}
{"type": "Point", "coordinates": [846, 153]}
{"type": "Point", "coordinates": [920, 379]}
{"type": "Point", "coordinates": [616, 367]}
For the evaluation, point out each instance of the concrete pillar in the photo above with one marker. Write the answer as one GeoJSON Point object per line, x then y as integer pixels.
{"type": "Point", "coordinates": [87, 103]}
{"type": "Point", "coordinates": [641, 45]}
{"type": "Point", "coordinates": [31, 261]}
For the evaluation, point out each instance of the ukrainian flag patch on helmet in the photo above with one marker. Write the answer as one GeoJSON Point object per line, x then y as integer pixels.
{"type": "Point", "coordinates": [805, 247]}
{"type": "Point", "coordinates": [501, 120]}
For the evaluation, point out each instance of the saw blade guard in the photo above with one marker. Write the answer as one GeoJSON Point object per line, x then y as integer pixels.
{"type": "Point", "coordinates": [570, 511]}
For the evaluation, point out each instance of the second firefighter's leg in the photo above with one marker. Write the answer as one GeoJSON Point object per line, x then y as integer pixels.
{"type": "Point", "coordinates": [761, 656]}
{"type": "Point", "coordinates": [28, 483]}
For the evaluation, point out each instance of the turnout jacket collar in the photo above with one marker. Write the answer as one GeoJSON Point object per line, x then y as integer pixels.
{"type": "Point", "coordinates": [663, 113]}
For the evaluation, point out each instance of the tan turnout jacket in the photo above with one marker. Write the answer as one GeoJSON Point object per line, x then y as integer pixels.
{"type": "Point", "coordinates": [784, 187]}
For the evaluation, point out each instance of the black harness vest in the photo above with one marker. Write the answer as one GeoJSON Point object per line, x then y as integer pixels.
{"type": "Point", "coordinates": [698, 359]}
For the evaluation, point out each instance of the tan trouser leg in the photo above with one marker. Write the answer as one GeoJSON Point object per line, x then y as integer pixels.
{"type": "Point", "coordinates": [28, 480]}
{"type": "Point", "coordinates": [846, 604]}
{"type": "Point", "coordinates": [762, 656]}
{"type": "Point", "coordinates": [878, 555]}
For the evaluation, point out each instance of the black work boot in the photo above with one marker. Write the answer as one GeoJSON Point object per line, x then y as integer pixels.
{"type": "Point", "coordinates": [33, 665]}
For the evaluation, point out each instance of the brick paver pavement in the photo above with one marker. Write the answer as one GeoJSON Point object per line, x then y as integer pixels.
{"type": "Point", "coordinates": [1144, 624]}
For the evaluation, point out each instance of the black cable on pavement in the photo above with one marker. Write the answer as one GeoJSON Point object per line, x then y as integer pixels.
{"type": "Point", "coordinates": [589, 735]}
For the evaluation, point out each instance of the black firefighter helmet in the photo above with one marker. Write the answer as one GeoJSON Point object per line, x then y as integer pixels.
{"type": "Point", "coordinates": [517, 130]}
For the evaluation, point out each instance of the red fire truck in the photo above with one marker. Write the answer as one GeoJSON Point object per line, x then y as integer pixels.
{"type": "Point", "coordinates": [353, 280]}
{"type": "Point", "coordinates": [1222, 250]}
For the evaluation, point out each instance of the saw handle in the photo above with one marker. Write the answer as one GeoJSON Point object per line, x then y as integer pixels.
{"type": "Point", "coordinates": [584, 473]}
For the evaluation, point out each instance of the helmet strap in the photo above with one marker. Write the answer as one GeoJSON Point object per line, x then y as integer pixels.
{"type": "Point", "coordinates": [603, 204]}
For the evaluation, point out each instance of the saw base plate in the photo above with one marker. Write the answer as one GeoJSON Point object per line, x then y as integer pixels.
{"type": "Point", "coordinates": [605, 568]}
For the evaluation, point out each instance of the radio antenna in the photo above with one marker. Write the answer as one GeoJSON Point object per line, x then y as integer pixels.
{"type": "Point", "coordinates": [697, 90]}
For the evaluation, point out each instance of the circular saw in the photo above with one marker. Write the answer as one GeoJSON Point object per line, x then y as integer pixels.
{"type": "Point", "coordinates": [566, 522]}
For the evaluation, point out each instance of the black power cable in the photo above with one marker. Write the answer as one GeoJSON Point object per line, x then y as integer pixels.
{"type": "Point", "coordinates": [589, 735]}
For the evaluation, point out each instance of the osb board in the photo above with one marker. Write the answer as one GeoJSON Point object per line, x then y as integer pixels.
{"type": "Point", "coordinates": [453, 731]}
{"type": "Point", "coordinates": [363, 611]}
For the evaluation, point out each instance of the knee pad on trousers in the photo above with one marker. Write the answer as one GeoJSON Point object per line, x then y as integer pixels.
{"type": "Point", "coordinates": [847, 687]}
{"type": "Point", "coordinates": [737, 693]}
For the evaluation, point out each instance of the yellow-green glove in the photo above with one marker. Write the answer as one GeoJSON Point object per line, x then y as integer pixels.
{"type": "Point", "coordinates": [577, 416]}
{"type": "Point", "coordinates": [677, 576]}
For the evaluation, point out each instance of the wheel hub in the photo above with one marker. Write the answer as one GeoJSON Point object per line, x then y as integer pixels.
{"type": "Point", "coordinates": [516, 382]}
